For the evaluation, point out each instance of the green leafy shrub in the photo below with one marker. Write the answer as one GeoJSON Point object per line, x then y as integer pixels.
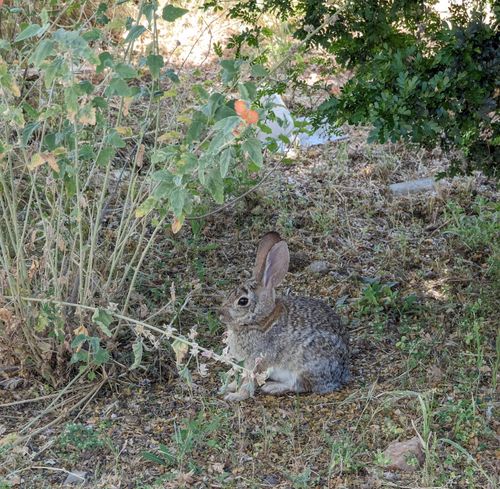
{"type": "Point", "coordinates": [91, 173]}
{"type": "Point", "coordinates": [415, 77]}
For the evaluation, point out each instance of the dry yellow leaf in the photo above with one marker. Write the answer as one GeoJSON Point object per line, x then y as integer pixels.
{"type": "Point", "coordinates": [140, 156]}
{"type": "Point", "coordinates": [36, 160]}
{"type": "Point", "coordinates": [169, 136]}
{"type": "Point", "coordinates": [126, 105]}
{"type": "Point", "coordinates": [5, 315]}
{"type": "Point", "coordinates": [52, 162]}
{"type": "Point", "coordinates": [80, 330]}
{"type": "Point", "coordinates": [87, 116]}
{"type": "Point", "coordinates": [180, 349]}
{"type": "Point", "coordinates": [39, 159]}
{"type": "Point", "coordinates": [15, 89]}
{"type": "Point", "coordinates": [8, 439]}
{"type": "Point", "coordinates": [124, 131]}
{"type": "Point", "coordinates": [176, 225]}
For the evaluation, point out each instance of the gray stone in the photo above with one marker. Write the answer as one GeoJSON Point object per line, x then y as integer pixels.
{"type": "Point", "coordinates": [319, 266]}
{"type": "Point", "coordinates": [75, 477]}
{"type": "Point", "coordinates": [271, 480]}
{"type": "Point", "coordinates": [413, 186]}
{"type": "Point", "coordinates": [405, 455]}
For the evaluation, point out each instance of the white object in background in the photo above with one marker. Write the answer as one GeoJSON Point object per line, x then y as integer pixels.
{"type": "Point", "coordinates": [284, 125]}
{"type": "Point", "coordinates": [412, 186]}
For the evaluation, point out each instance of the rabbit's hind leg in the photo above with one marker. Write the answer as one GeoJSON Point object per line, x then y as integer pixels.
{"type": "Point", "coordinates": [282, 380]}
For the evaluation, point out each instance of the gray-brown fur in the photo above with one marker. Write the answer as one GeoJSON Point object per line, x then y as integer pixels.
{"type": "Point", "coordinates": [300, 339]}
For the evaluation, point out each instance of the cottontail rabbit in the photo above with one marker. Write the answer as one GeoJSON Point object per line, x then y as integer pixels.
{"type": "Point", "coordinates": [298, 342]}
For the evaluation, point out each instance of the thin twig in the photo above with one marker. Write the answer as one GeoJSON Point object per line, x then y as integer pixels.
{"type": "Point", "coordinates": [25, 438]}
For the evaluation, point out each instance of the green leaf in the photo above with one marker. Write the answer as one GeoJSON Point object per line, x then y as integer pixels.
{"type": "Point", "coordinates": [57, 67]}
{"type": "Point", "coordinates": [78, 340]}
{"type": "Point", "coordinates": [215, 185]}
{"type": "Point", "coordinates": [200, 91]}
{"type": "Point", "coordinates": [44, 16]}
{"type": "Point", "coordinates": [92, 35]}
{"type": "Point", "coordinates": [30, 31]}
{"type": "Point", "coordinates": [160, 155]}
{"type": "Point", "coordinates": [172, 75]}
{"type": "Point", "coordinates": [115, 140]}
{"type": "Point", "coordinates": [137, 349]}
{"type": "Point", "coordinates": [44, 49]}
{"type": "Point", "coordinates": [196, 127]}
{"type": "Point", "coordinates": [227, 124]}
{"type": "Point", "coordinates": [226, 157]}
{"type": "Point", "coordinates": [28, 131]}
{"type": "Point", "coordinates": [151, 457]}
{"type": "Point", "coordinates": [146, 207]}
{"type": "Point", "coordinates": [105, 61]}
{"type": "Point", "coordinates": [219, 142]}
{"type": "Point", "coordinates": [86, 87]}
{"type": "Point", "coordinates": [253, 147]}
{"type": "Point", "coordinates": [186, 164]}
{"type": "Point", "coordinates": [148, 10]}
{"type": "Point", "coordinates": [105, 156]}
{"type": "Point", "coordinates": [125, 71]}
{"type": "Point", "coordinates": [101, 356]}
{"type": "Point", "coordinates": [134, 32]}
{"type": "Point", "coordinates": [155, 64]}
{"type": "Point", "coordinates": [177, 199]}
{"type": "Point", "coordinates": [230, 69]}
{"type": "Point", "coordinates": [162, 190]}
{"type": "Point", "coordinates": [118, 86]}
{"type": "Point", "coordinates": [4, 44]}
{"type": "Point", "coordinates": [258, 71]}
{"type": "Point", "coordinates": [171, 13]}
{"type": "Point", "coordinates": [79, 356]}
{"type": "Point", "coordinates": [243, 91]}
{"type": "Point", "coordinates": [103, 319]}
{"type": "Point", "coordinates": [73, 42]}
{"type": "Point", "coordinates": [71, 99]}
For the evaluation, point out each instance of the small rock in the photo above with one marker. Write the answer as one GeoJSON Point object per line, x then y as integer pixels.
{"type": "Point", "coordinates": [405, 455]}
{"type": "Point", "coordinates": [391, 476]}
{"type": "Point", "coordinates": [75, 477]}
{"type": "Point", "coordinates": [298, 261]}
{"type": "Point", "coordinates": [412, 186]}
{"type": "Point", "coordinates": [319, 266]}
{"type": "Point", "coordinates": [271, 480]}
{"type": "Point", "coordinates": [12, 383]}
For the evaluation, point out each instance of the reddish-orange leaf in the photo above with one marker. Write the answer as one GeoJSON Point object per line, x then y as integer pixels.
{"type": "Point", "coordinates": [240, 108]}
{"type": "Point", "coordinates": [251, 117]}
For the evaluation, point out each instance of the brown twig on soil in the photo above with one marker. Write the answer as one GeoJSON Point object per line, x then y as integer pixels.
{"type": "Point", "coordinates": [61, 417]}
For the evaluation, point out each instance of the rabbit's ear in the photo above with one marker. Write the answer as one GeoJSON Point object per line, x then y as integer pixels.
{"type": "Point", "coordinates": [277, 263]}
{"type": "Point", "coordinates": [265, 245]}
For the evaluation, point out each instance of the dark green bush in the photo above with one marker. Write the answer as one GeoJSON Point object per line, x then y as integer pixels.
{"type": "Point", "coordinates": [416, 77]}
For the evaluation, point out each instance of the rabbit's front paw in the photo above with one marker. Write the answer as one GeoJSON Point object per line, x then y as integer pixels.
{"type": "Point", "coordinates": [237, 396]}
{"type": "Point", "coordinates": [245, 391]}
{"type": "Point", "coordinates": [272, 387]}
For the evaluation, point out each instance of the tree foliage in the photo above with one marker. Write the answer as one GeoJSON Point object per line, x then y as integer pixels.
{"type": "Point", "coordinates": [416, 77]}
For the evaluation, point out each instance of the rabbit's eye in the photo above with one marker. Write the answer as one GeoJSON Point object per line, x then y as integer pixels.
{"type": "Point", "coordinates": [243, 301]}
